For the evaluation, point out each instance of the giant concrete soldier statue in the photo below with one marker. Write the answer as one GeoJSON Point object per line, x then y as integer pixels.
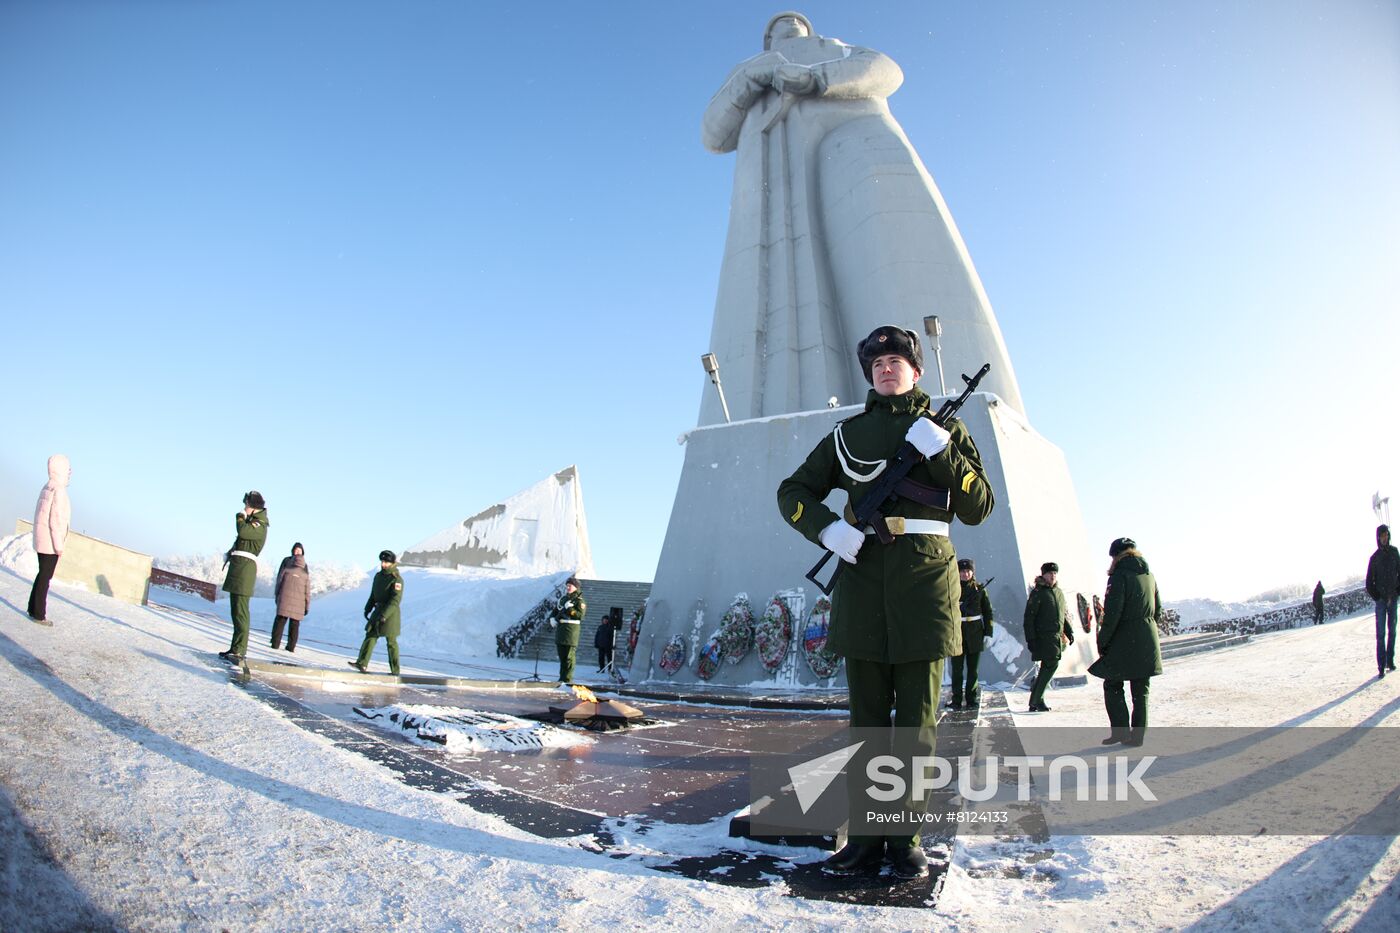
{"type": "Point", "coordinates": [835, 227]}
{"type": "Point", "coordinates": [895, 610]}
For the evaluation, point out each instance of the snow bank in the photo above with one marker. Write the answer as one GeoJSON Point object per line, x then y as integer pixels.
{"type": "Point", "coordinates": [448, 614]}
{"type": "Point", "coordinates": [463, 731]}
{"type": "Point", "coordinates": [17, 554]}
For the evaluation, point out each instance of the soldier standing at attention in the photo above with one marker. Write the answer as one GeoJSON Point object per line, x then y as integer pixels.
{"type": "Point", "coordinates": [1047, 630]}
{"type": "Point", "coordinates": [242, 576]}
{"type": "Point", "coordinates": [567, 619]}
{"type": "Point", "coordinates": [1129, 649]}
{"type": "Point", "coordinates": [895, 610]}
{"type": "Point", "coordinates": [382, 614]}
{"type": "Point", "coordinates": [976, 610]}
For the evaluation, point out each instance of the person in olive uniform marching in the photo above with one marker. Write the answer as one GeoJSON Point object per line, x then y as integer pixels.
{"type": "Point", "coordinates": [1128, 644]}
{"type": "Point", "coordinates": [382, 614]}
{"type": "Point", "coordinates": [567, 620]}
{"type": "Point", "coordinates": [242, 576]}
{"type": "Point", "coordinates": [1383, 585]}
{"type": "Point", "coordinates": [976, 610]}
{"type": "Point", "coordinates": [895, 615]}
{"type": "Point", "coordinates": [1047, 630]}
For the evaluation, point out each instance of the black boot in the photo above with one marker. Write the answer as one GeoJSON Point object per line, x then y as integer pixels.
{"type": "Point", "coordinates": [908, 864]}
{"type": "Point", "coordinates": [854, 858]}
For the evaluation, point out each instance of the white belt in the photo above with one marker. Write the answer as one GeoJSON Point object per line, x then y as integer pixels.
{"type": "Point", "coordinates": [914, 526]}
{"type": "Point", "coordinates": [569, 622]}
{"type": "Point", "coordinates": [251, 557]}
{"type": "Point", "coordinates": [972, 618]}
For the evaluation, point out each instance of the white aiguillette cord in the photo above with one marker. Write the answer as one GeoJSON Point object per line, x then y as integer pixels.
{"type": "Point", "coordinates": [846, 458]}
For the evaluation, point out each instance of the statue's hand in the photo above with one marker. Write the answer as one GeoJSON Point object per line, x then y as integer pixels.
{"type": "Point", "coordinates": [794, 79]}
{"type": "Point", "coordinates": [759, 72]}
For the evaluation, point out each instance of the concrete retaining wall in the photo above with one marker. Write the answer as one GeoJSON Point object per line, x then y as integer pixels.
{"type": "Point", "coordinates": [100, 566]}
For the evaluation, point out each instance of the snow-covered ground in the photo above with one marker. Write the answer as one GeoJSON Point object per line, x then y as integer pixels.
{"type": "Point", "coordinates": [141, 789]}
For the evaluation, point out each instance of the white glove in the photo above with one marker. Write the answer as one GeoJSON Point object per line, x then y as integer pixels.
{"type": "Point", "coordinates": [928, 437]}
{"type": "Point", "coordinates": [553, 623]}
{"type": "Point", "coordinates": [842, 539]}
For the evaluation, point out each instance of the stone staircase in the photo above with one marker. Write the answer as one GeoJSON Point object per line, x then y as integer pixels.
{"type": "Point", "coordinates": [601, 596]}
{"type": "Point", "coordinates": [1180, 646]}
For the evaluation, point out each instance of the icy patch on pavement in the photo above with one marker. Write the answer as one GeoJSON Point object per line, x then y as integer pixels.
{"type": "Point", "coordinates": [463, 731]}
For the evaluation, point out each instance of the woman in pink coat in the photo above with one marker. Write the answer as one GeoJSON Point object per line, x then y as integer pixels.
{"type": "Point", "coordinates": [52, 515]}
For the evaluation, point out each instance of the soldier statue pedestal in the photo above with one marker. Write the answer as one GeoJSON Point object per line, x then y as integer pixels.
{"type": "Point", "coordinates": [726, 537]}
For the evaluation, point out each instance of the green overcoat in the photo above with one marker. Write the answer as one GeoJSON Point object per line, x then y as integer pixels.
{"type": "Point", "coordinates": [899, 602]}
{"type": "Point", "coordinates": [1127, 639]}
{"type": "Point", "coordinates": [382, 607]}
{"type": "Point", "coordinates": [975, 602]}
{"type": "Point", "coordinates": [1046, 624]}
{"type": "Point", "coordinates": [571, 606]}
{"type": "Point", "coordinates": [242, 573]}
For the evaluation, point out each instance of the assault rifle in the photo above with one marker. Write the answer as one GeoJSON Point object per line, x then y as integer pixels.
{"type": "Point", "coordinates": [889, 481]}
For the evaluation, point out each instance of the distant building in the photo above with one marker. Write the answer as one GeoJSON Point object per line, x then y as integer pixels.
{"type": "Point", "coordinates": [538, 531]}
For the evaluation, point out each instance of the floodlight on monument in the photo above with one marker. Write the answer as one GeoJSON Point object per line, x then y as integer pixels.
{"type": "Point", "coordinates": [934, 331]}
{"type": "Point", "coordinates": [711, 365]}
{"type": "Point", "coordinates": [1381, 506]}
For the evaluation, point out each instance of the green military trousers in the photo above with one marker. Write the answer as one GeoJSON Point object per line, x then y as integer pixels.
{"type": "Point", "coordinates": [566, 663]}
{"type": "Point", "coordinates": [1042, 680]}
{"type": "Point", "coordinates": [968, 693]}
{"type": "Point", "coordinates": [910, 691]}
{"type": "Point", "coordinates": [391, 643]}
{"type": "Point", "coordinates": [242, 620]}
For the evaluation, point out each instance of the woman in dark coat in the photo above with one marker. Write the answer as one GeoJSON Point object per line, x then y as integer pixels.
{"type": "Point", "coordinates": [293, 597]}
{"type": "Point", "coordinates": [1128, 647]}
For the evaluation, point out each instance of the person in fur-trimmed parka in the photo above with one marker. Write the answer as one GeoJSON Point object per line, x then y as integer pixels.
{"type": "Point", "coordinates": [52, 515]}
{"type": "Point", "coordinates": [1129, 650]}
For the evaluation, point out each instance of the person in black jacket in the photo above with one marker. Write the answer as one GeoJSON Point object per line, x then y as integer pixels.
{"type": "Point", "coordinates": [1383, 586]}
{"type": "Point", "coordinates": [605, 638]}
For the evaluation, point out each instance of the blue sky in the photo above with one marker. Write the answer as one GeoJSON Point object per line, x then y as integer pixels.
{"type": "Point", "coordinates": [389, 263]}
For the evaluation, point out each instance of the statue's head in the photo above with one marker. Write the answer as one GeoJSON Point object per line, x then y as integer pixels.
{"type": "Point", "coordinates": [788, 24]}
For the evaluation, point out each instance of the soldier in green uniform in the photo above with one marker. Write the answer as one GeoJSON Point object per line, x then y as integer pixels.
{"type": "Point", "coordinates": [567, 620]}
{"type": "Point", "coordinates": [382, 614]}
{"type": "Point", "coordinates": [242, 576]}
{"type": "Point", "coordinates": [1047, 630]}
{"type": "Point", "coordinates": [976, 610]}
{"type": "Point", "coordinates": [895, 607]}
{"type": "Point", "coordinates": [1128, 644]}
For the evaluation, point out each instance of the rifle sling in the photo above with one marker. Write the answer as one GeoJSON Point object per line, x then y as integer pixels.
{"type": "Point", "coordinates": [931, 496]}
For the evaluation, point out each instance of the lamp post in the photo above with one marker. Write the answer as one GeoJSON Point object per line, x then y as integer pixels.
{"type": "Point", "coordinates": [712, 367]}
{"type": "Point", "coordinates": [934, 331]}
